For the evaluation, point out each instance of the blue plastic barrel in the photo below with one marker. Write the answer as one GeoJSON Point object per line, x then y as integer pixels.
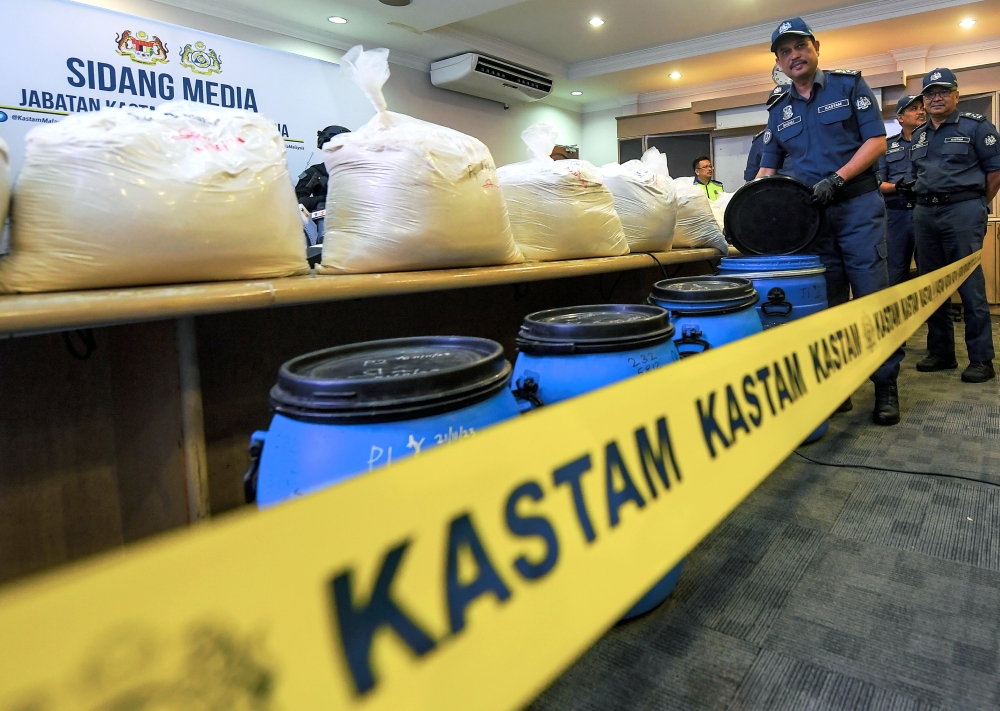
{"type": "Point", "coordinates": [708, 311]}
{"type": "Point", "coordinates": [791, 287]}
{"type": "Point", "coordinates": [567, 352]}
{"type": "Point", "coordinates": [344, 411]}
{"type": "Point", "coordinates": [571, 351]}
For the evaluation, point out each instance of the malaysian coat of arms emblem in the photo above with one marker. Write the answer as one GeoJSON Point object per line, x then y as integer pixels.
{"type": "Point", "coordinates": [200, 59]}
{"type": "Point", "coordinates": [142, 48]}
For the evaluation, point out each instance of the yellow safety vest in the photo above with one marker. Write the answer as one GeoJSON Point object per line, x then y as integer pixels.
{"type": "Point", "coordinates": [712, 190]}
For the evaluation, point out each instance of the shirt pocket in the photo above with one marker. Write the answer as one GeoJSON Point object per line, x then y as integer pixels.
{"type": "Point", "coordinates": [895, 156]}
{"type": "Point", "coordinates": [955, 148]}
{"type": "Point", "coordinates": [918, 152]}
{"type": "Point", "coordinates": [834, 111]}
{"type": "Point", "coordinates": [791, 128]}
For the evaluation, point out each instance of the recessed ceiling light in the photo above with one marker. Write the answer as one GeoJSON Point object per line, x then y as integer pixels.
{"type": "Point", "coordinates": [576, 93]}
{"type": "Point", "coordinates": [967, 23]}
{"type": "Point", "coordinates": [337, 20]}
{"type": "Point", "coordinates": [674, 75]}
{"type": "Point", "coordinates": [596, 21]}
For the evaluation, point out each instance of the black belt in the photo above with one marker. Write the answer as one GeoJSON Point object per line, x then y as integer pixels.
{"type": "Point", "coordinates": [898, 203]}
{"type": "Point", "coordinates": [949, 198]}
{"type": "Point", "coordinates": [860, 185]}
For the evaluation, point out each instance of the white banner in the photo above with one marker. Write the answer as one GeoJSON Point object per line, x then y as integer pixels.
{"type": "Point", "coordinates": [62, 57]}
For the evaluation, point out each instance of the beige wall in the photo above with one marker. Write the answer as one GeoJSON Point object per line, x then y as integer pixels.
{"type": "Point", "coordinates": [409, 91]}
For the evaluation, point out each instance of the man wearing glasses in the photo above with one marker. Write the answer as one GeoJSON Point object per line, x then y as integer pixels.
{"type": "Point", "coordinates": [829, 129]}
{"type": "Point", "coordinates": [955, 173]}
{"type": "Point", "coordinates": [703, 172]}
{"type": "Point", "coordinates": [893, 167]}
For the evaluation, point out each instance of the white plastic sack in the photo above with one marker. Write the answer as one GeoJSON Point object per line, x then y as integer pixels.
{"type": "Point", "coordinates": [719, 206]}
{"type": "Point", "coordinates": [646, 203]}
{"type": "Point", "coordinates": [125, 197]}
{"type": "Point", "coordinates": [696, 224]}
{"type": "Point", "coordinates": [559, 209]}
{"type": "Point", "coordinates": [656, 162]}
{"type": "Point", "coordinates": [405, 194]}
{"type": "Point", "coordinates": [4, 182]}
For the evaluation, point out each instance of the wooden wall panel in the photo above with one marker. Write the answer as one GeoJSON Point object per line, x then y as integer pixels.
{"type": "Point", "coordinates": [58, 486]}
{"type": "Point", "coordinates": [145, 388]}
{"type": "Point", "coordinates": [664, 122]}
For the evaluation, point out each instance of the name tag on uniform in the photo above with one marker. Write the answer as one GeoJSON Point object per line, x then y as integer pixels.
{"type": "Point", "coordinates": [791, 122]}
{"type": "Point", "coordinates": [835, 105]}
{"type": "Point", "coordinates": [894, 150]}
{"type": "Point", "coordinates": [958, 139]}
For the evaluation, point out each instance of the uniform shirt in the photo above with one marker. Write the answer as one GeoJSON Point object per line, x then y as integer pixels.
{"type": "Point", "coordinates": [712, 190]}
{"type": "Point", "coordinates": [821, 135]}
{"type": "Point", "coordinates": [954, 157]}
{"type": "Point", "coordinates": [753, 160]}
{"type": "Point", "coordinates": [894, 165]}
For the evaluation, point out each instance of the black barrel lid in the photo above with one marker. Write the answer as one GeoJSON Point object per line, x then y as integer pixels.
{"type": "Point", "coordinates": [706, 294]}
{"type": "Point", "coordinates": [600, 328]}
{"type": "Point", "coordinates": [396, 379]}
{"type": "Point", "coordinates": [773, 215]}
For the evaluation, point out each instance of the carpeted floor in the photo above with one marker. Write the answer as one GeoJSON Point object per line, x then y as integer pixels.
{"type": "Point", "coordinates": [835, 588]}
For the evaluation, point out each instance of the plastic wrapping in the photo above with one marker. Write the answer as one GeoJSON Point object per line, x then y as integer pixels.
{"type": "Point", "coordinates": [645, 202]}
{"type": "Point", "coordinates": [559, 209]}
{"type": "Point", "coordinates": [4, 183]}
{"type": "Point", "coordinates": [696, 224]}
{"type": "Point", "coordinates": [405, 194]}
{"type": "Point", "coordinates": [125, 197]}
{"type": "Point", "coordinates": [719, 206]}
{"type": "Point", "coordinates": [656, 162]}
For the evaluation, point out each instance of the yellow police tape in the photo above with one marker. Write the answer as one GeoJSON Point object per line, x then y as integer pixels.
{"type": "Point", "coordinates": [465, 578]}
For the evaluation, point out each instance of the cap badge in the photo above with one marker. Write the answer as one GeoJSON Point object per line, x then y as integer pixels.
{"type": "Point", "coordinates": [767, 136]}
{"type": "Point", "coordinates": [785, 26]}
{"type": "Point", "coordinates": [863, 103]}
{"type": "Point", "coordinates": [786, 113]}
{"type": "Point", "coordinates": [935, 76]}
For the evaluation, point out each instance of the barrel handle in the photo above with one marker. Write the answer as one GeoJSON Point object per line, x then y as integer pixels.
{"type": "Point", "coordinates": [692, 336]}
{"type": "Point", "coordinates": [255, 449]}
{"type": "Point", "coordinates": [527, 391]}
{"type": "Point", "coordinates": [776, 304]}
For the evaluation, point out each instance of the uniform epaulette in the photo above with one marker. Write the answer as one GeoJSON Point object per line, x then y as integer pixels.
{"type": "Point", "coordinates": [847, 72]}
{"type": "Point", "coordinates": [890, 139]}
{"type": "Point", "coordinates": [758, 135]}
{"type": "Point", "coordinates": [717, 182]}
{"type": "Point", "coordinates": [773, 104]}
{"type": "Point", "coordinates": [974, 117]}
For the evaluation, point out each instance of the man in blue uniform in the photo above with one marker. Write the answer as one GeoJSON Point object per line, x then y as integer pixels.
{"type": "Point", "coordinates": [757, 145]}
{"type": "Point", "coordinates": [830, 129]}
{"type": "Point", "coordinates": [956, 168]}
{"type": "Point", "coordinates": [893, 167]}
{"type": "Point", "coordinates": [311, 187]}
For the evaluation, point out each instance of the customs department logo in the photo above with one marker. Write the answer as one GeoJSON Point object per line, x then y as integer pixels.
{"type": "Point", "coordinates": [935, 76]}
{"type": "Point", "coordinates": [767, 136]}
{"type": "Point", "coordinates": [786, 113]}
{"type": "Point", "coordinates": [990, 140]}
{"type": "Point", "coordinates": [200, 59]}
{"type": "Point", "coordinates": [895, 144]}
{"type": "Point", "coordinates": [868, 328]}
{"type": "Point", "coordinates": [785, 26]}
{"type": "Point", "coordinates": [142, 48]}
{"type": "Point", "coordinates": [863, 103]}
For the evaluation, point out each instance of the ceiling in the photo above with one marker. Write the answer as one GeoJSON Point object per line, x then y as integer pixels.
{"type": "Point", "coordinates": [640, 44]}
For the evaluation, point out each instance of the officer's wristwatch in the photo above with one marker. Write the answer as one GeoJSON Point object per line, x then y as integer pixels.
{"type": "Point", "coordinates": [837, 181]}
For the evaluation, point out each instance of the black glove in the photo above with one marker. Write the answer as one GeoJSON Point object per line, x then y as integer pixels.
{"type": "Point", "coordinates": [824, 190]}
{"type": "Point", "coordinates": [905, 189]}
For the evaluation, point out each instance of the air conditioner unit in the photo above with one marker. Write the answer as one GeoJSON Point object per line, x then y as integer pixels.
{"type": "Point", "coordinates": [490, 78]}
